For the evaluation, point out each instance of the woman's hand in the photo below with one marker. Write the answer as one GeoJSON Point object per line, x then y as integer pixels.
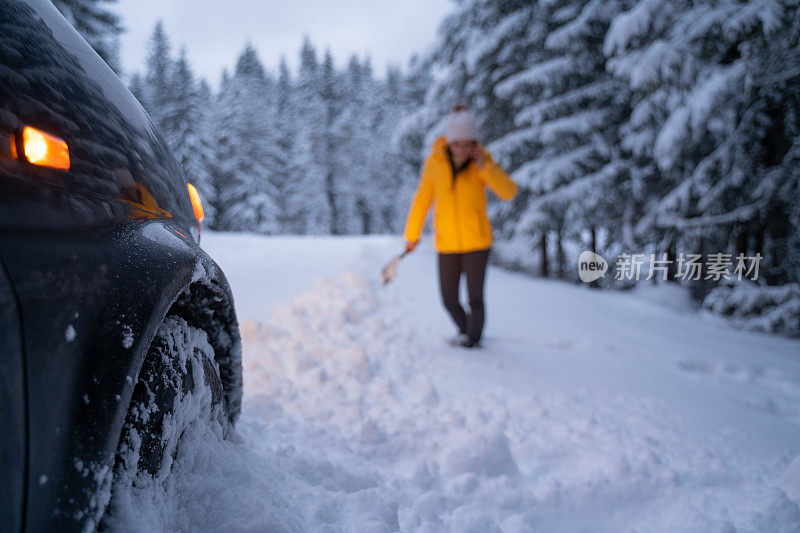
{"type": "Point", "coordinates": [478, 155]}
{"type": "Point", "coordinates": [410, 246]}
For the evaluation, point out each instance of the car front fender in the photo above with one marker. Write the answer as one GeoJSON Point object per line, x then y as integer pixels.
{"type": "Point", "coordinates": [91, 302]}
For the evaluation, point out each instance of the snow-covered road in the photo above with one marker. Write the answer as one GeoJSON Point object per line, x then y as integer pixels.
{"type": "Point", "coordinates": [585, 410]}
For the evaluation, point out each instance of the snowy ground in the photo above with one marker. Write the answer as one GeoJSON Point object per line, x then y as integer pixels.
{"type": "Point", "coordinates": [585, 410]}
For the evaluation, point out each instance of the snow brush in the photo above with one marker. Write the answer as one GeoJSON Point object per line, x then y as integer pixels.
{"type": "Point", "coordinates": [390, 270]}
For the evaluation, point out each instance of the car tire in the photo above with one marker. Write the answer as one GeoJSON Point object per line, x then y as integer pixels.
{"type": "Point", "coordinates": [179, 385]}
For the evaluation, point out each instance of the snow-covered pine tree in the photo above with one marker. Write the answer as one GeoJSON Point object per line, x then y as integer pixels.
{"type": "Point", "coordinates": [502, 62]}
{"type": "Point", "coordinates": [285, 173]}
{"type": "Point", "coordinates": [777, 76]}
{"type": "Point", "coordinates": [187, 136]}
{"type": "Point", "coordinates": [710, 104]}
{"type": "Point", "coordinates": [331, 100]}
{"type": "Point", "coordinates": [158, 77]}
{"type": "Point", "coordinates": [371, 194]}
{"type": "Point", "coordinates": [224, 136]}
{"type": "Point", "coordinates": [563, 146]}
{"type": "Point", "coordinates": [205, 185]}
{"type": "Point", "coordinates": [409, 133]}
{"type": "Point", "coordinates": [389, 163]}
{"type": "Point", "coordinates": [313, 208]}
{"type": "Point", "coordinates": [384, 101]}
{"type": "Point", "coordinates": [630, 57]}
{"type": "Point", "coordinates": [247, 192]}
{"type": "Point", "coordinates": [351, 140]}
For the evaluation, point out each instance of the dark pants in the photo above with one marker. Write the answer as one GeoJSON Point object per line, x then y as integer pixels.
{"type": "Point", "coordinates": [450, 268]}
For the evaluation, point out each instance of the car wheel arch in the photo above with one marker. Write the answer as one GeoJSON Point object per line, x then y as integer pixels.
{"type": "Point", "coordinates": [203, 301]}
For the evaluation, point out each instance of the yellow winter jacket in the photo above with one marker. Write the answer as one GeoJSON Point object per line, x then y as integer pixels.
{"type": "Point", "coordinates": [459, 214]}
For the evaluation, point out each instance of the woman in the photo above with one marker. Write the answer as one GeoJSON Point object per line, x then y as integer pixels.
{"type": "Point", "coordinates": [454, 179]}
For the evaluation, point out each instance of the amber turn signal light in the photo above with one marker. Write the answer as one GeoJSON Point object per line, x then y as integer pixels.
{"type": "Point", "coordinates": [197, 205]}
{"type": "Point", "coordinates": [45, 150]}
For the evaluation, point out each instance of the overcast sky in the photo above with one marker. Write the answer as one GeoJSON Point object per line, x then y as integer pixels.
{"type": "Point", "coordinates": [214, 32]}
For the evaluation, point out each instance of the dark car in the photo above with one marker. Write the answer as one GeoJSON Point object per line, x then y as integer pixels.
{"type": "Point", "coordinates": [110, 312]}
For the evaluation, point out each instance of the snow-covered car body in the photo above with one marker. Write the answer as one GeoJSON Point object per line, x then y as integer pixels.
{"type": "Point", "coordinates": [91, 260]}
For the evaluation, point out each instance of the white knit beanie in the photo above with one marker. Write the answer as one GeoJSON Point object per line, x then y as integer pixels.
{"type": "Point", "coordinates": [460, 126]}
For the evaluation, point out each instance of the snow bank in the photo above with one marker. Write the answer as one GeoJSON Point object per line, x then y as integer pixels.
{"type": "Point", "coordinates": [357, 418]}
{"type": "Point", "coordinates": [342, 364]}
{"type": "Point", "coordinates": [341, 376]}
{"type": "Point", "coordinates": [757, 308]}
